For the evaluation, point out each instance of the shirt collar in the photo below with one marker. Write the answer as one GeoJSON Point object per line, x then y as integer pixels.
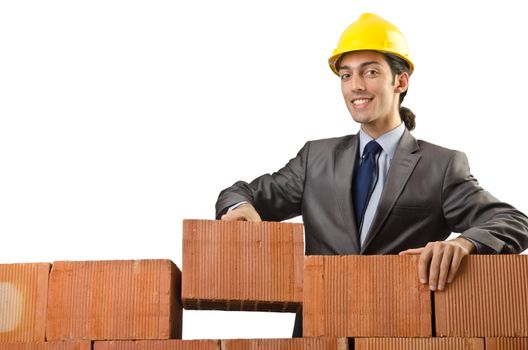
{"type": "Point", "coordinates": [388, 141]}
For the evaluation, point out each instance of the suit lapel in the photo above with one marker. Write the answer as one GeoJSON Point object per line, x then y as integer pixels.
{"type": "Point", "coordinates": [401, 168]}
{"type": "Point", "coordinates": [344, 163]}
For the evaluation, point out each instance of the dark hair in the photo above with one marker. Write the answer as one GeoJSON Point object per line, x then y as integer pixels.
{"type": "Point", "coordinates": [398, 66]}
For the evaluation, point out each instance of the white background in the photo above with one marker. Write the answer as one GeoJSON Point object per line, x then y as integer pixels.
{"type": "Point", "coordinates": [118, 119]}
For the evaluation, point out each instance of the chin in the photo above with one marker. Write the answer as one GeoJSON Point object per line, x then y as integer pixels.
{"type": "Point", "coordinates": [361, 119]}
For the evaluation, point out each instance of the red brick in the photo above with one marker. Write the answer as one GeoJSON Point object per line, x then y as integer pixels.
{"type": "Point", "coordinates": [286, 344]}
{"type": "Point", "coordinates": [506, 343]}
{"type": "Point", "coordinates": [158, 345]}
{"type": "Point", "coordinates": [59, 345]}
{"type": "Point", "coordinates": [365, 296]}
{"type": "Point", "coordinates": [242, 265]}
{"type": "Point", "coordinates": [488, 298]}
{"type": "Point", "coordinates": [23, 298]}
{"type": "Point", "coordinates": [122, 299]}
{"type": "Point", "coordinates": [419, 343]}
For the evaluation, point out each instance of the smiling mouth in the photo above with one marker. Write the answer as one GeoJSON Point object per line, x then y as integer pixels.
{"type": "Point", "coordinates": [360, 101]}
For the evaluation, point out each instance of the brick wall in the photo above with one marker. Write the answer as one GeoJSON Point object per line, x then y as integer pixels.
{"type": "Point", "coordinates": [356, 302]}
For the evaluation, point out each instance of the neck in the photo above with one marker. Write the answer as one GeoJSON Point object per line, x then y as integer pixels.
{"type": "Point", "coordinates": [379, 128]}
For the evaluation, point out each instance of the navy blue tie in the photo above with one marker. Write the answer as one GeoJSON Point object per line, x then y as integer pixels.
{"type": "Point", "coordinates": [363, 179]}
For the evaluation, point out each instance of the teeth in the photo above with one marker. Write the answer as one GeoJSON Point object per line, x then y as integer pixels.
{"type": "Point", "coordinates": [361, 101]}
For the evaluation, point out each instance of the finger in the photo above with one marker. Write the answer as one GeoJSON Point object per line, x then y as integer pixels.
{"type": "Point", "coordinates": [445, 266]}
{"type": "Point", "coordinates": [251, 214]}
{"type": "Point", "coordinates": [254, 217]}
{"type": "Point", "coordinates": [455, 265]}
{"type": "Point", "coordinates": [423, 263]}
{"type": "Point", "coordinates": [414, 251]}
{"type": "Point", "coordinates": [434, 268]}
{"type": "Point", "coordinates": [246, 212]}
{"type": "Point", "coordinates": [233, 215]}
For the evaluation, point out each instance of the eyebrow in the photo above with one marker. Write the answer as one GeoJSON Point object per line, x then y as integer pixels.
{"type": "Point", "coordinates": [362, 65]}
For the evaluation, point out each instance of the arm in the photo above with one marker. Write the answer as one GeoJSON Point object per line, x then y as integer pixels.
{"type": "Point", "coordinates": [275, 197]}
{"type": "Point", "coordinates": [485, 222]}
{"type": "Point", "coordinates": [478, 215]}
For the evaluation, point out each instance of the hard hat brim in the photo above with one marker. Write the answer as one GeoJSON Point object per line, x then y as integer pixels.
{"type": "Point", "coordinates": [334, 59]}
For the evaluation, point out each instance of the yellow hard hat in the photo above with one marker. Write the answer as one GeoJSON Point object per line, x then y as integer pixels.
{"type": "Point", "coordinates": [371, 32]}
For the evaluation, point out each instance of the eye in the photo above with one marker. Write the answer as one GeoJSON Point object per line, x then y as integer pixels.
{"type": "Point", "coordinates": [371, 72]}
{"type": "Point", "coordinates": [345, 76]}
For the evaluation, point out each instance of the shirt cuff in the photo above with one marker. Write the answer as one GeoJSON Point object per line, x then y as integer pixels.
{"type": "Point", "coordinates": [480, 248]}
{"type": "Point", "coordinates": [236, 206]}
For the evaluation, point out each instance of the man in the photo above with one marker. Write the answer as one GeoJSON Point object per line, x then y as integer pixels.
{"type": "Point", "coordinates": [381, 191]}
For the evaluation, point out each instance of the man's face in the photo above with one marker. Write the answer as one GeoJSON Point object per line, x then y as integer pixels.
{"type": "Point", "coordinates": [370, 94]}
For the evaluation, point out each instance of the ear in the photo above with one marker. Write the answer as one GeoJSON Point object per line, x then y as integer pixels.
{"type": "Point", "coordinates": [401, 82]}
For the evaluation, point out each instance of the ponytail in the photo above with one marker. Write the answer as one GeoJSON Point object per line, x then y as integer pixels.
{"type": "Point", "coordinates": [408, 117]}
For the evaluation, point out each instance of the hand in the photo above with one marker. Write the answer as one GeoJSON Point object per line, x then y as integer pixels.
{"type": "Point", "coordinates": [442, 259]}
{"type": "Point", "coordinates": [245, 212]}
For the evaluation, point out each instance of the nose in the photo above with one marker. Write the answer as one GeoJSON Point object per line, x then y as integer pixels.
{"type": "Point", "coordinates": [357, 83]}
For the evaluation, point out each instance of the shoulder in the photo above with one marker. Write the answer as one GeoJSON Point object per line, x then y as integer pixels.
{"type": "Point", "coordinates": [332, 143]}
{"type": "Point", "coordinates": [435, 155]}
{"type": "Point", "coordinates": [323, 150]}
{"type": "Point", "coordinates": [429, 148]}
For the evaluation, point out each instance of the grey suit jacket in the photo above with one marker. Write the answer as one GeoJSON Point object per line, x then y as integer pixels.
{"type": "Point", "coordinates": [429, 193]}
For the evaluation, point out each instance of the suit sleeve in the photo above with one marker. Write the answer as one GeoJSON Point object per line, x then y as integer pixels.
{"type": "Point", "coordinates": [479, 216]}
{"type": "Point", "coordinates": [276, 196]}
